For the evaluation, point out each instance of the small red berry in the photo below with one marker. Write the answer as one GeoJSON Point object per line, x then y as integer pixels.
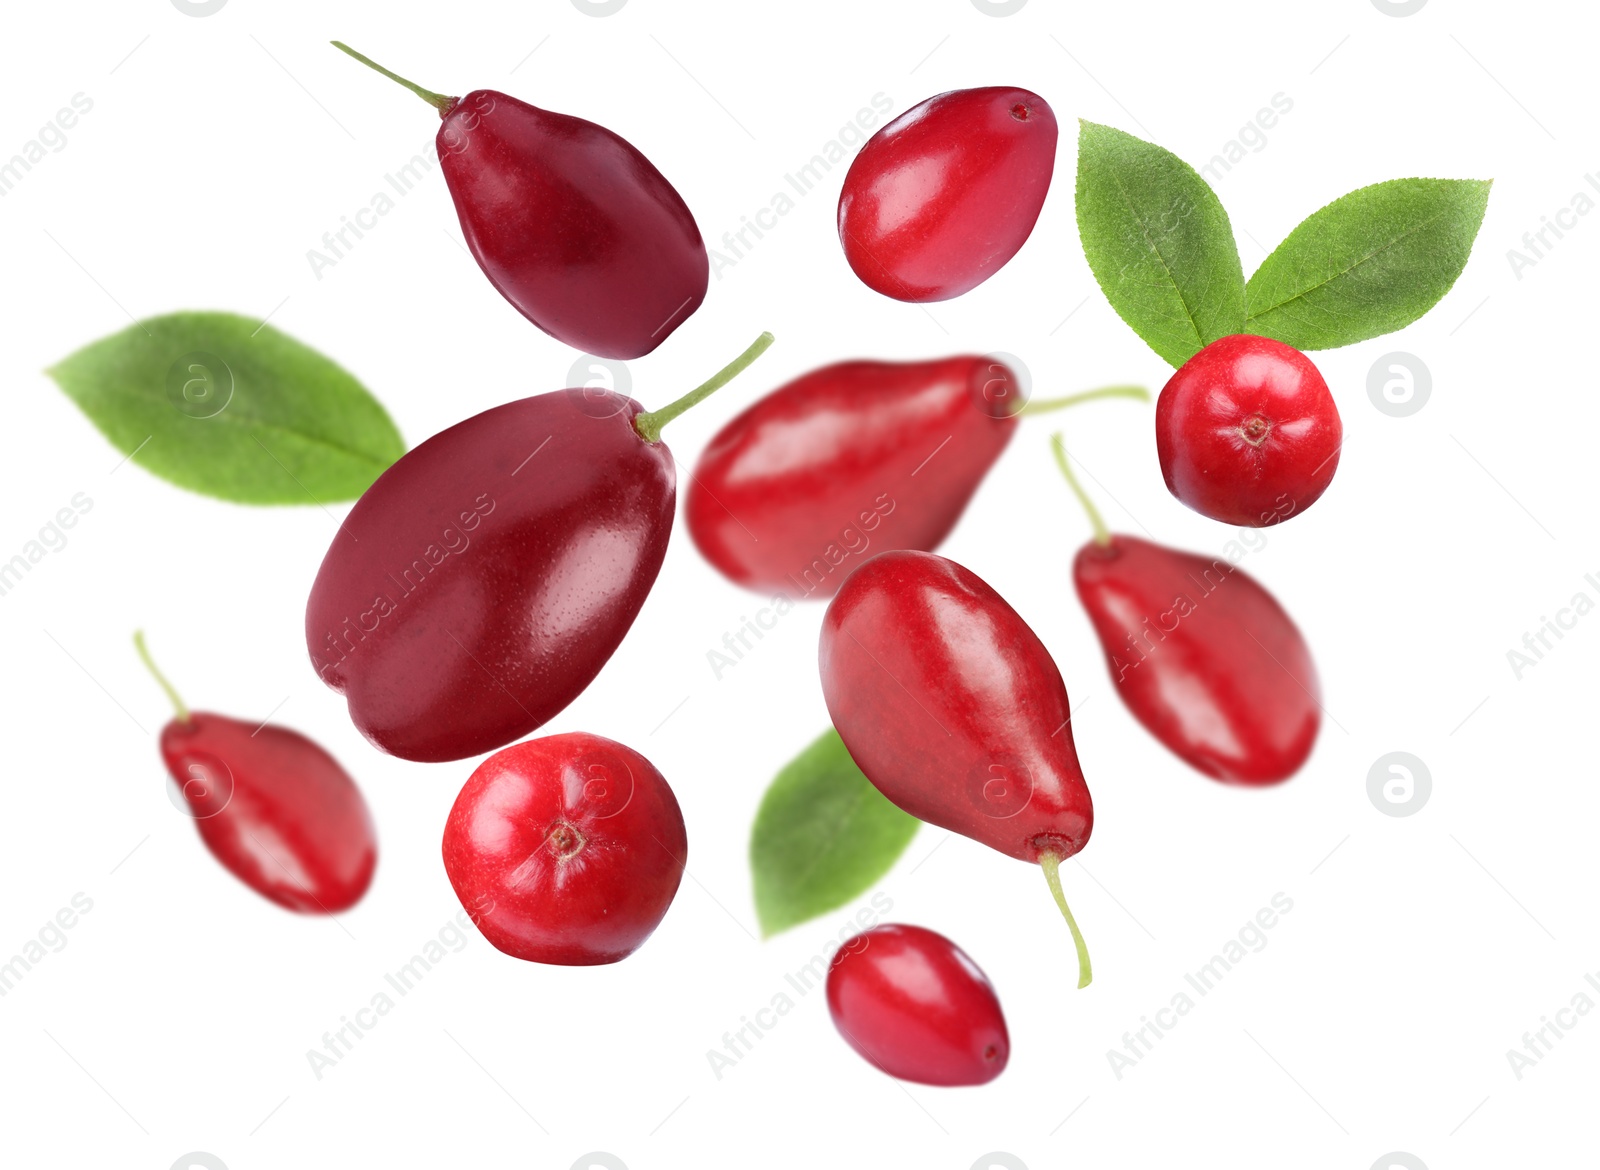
{"type": "Point", "coordinates": [1247, 432]}
{"type": "Point", "coordinates": [943, 196]}
{"type": "Point", "coordinates": [566, 849]}
{"type": "Point", "coordinates": [917, 1007]}
{"type": "Point", "coordinates": [272, 806]}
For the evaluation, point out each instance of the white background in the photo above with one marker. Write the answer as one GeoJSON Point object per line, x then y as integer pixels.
{"type": "Point", "coordinates": [178, 1016]}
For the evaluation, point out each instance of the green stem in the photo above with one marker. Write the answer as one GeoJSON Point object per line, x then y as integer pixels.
{"type": "Point", "coordinates": [150, 665]}
{"type": "Point", "coordinates": [437, 100]}
{"type": "Point", "coordinates": [1102, 534]}
{"type": "Point", "coordinates": [1050, 862]}
{"type": "Point", "coordinates": [1137, 393]}
{"type": "Point", "coordinates": [649, 423]}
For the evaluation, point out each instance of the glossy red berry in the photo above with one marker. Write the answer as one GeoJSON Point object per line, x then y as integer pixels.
{"type": "Point", "coordinates": [570, 222]}
{"type": "Point", "coordinates": [1202, 655]}
{"type": "Point", "coordinates": [942, 197]}
{"type": "Point", "coordinates": [482, 582]}
{"type": "Point", "coordinates": [1247, 432]}
{"type": "Point", "coordinates": [955, 711]}
{"type": "Point", "coordinates": [567, 849]}
{"type": "Point", "coordinates": [272, 806]}
{"type": "Point", "coordinates": [917, 1007]}
{"type": "Point", "coordinates": [846, 461]}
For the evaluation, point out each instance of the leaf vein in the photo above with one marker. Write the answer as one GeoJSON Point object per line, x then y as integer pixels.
{"type": "Point", "coordinates": [1357, 263]}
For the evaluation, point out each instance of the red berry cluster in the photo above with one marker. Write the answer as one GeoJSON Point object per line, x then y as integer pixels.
{"type": "Point", "coordinates": [482, 583]}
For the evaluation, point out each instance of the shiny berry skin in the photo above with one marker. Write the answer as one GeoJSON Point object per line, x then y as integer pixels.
{"type": "Point", "coordinates": [942, 197]}
{"type": "Point", "coordinates": [1204, 657]}
{"type": "Point", "coordinates": [573, 225]}
{"type": "Point", "coordinates": [1247, 432]}
{"type": "Point", "coordinates": [952, 707]}
{"type": "Point", "coordinates": [482, 582]}
{"type": "Point", "coordinates": [566, 849]}
{"type": "Point", "coordinates": [913, 1004]}
{"type": "Point", "coordinates": [275, 808]}
{"type": "Point", "coordinates": [848, 460]}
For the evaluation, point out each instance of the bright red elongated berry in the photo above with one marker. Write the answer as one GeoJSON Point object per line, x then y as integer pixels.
{"type": "Point", "coordinates": [853, 459]}
{"type": "Point", "coordinates": [573, 225]}
{"type": "Point", "coordinates": [1247, 432]}
{"type": "Point", "coordinates": [847, 460]}
{"type": "Point", "coordinates": [943, 196]}
{"type": "Point", "coordinates": [482, 582]}
{"type": "Point", "coordinates": [567, 849]}
{"type": "Point", "coordinates": [917, 1007]}
{"type": "Point", "coordinates": [272, 806]}
{"type": "Point", "coordinates": [955, 711]}
{"type": "Point", "coordinates": [1201, 654]}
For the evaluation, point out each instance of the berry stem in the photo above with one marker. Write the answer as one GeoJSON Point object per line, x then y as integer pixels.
{"type": "Point", "coordinates": [437, 100]}
{"type": "Point", "coordinates": [1102, 534]}
{"type": "Point", "coordinates": [150, 665]}
{"type": "Point", "coordinates": [1137, 393]}
{"type": "Point", "coordinates": [1050, 862]}
{"type": "Point", "coordinates": [650, 422]}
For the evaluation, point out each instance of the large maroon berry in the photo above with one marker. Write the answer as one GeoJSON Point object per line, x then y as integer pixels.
{"type": "Point", "coordinates": [569, 221]}
{"type": "Point", "coordinates": [482, 582]}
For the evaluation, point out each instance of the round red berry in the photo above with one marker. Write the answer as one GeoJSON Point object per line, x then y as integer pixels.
{"type": "Point", "coordinates": [1247, 432]}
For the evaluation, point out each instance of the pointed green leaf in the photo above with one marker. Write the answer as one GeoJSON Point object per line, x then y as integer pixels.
{"type": "Point", "coordinates": [1159, 243]}
{"type": "Point", "coordinates": [822, 836]}
{"type": "Point", "coordinates": [1368, 263]}
{"type": "Point", "coordinates": [229, 407]}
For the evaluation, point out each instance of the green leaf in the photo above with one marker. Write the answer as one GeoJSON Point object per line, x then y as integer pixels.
{"type": "Point", "coordinates": [1368, 263]}
{"type": "Point", "coordinates": [229, 407]}
{"type": "Point", "coordinates": [1159, 242]}
{"type": "Point", "coordinates": [822, 836]}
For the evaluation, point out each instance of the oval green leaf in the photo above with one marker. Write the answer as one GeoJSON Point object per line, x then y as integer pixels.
{"type": "Point", "coordinates": [1159, 243]}
{"type": "Point", "coordinates": [230, 407]}
{"type": "Point", "coordinates": [1368, 263]}
{"type": "Point", "coordinates": [822, 836]}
